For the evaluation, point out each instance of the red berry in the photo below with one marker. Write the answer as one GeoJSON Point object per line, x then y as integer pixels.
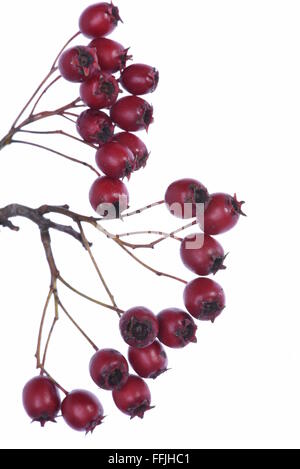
{"type": "Point", "coordinates": [139, 327]}
{"type": "Point", "coordinates": [183, 196]}
{"type": "Point", "coordinates": [100, 91]}
{"type": "Point", "coordinates": [149, 362]}
{"type": "Point", "coordinates": [202, 254]}
{"type": "Point", "coordinates": [132, 113]}
{"type": "Point", "coordinates": [41, 400]}
{"type": "Point", "coordinates": [136, 145]}
{"type": "Point", "coordinates": [78, 64]}
{"type": "Point", "coordinates": [99, 20]}
{"type": "Point", "coordinates": [140, 79]}
{"type": "Point", "coordinates": [204, 299]}
{"type": "Point", "coordinates": [109, 197]}
{"type": "Point", "coordinates": [95, 126]}
{"type": "Point", "coordinates": [115, 160]}
{"type": "Point", "coordinates": [112, 56]}
{"type": "Point", "coordinates": [82, 411]}
{"type": "Point", "coordinates": [176, 328]}
{"type": "Point", "coordinates": [133, 398]}
{"type": "Point", "coordinates": [222, 214]}
{"type": "Point", "coordinates": [109, 369]}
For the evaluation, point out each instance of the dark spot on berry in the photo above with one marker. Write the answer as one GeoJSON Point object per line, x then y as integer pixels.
{"type": "Point", "coordinates": [115, 378]}
{"type": "Point", "coordinates": [85, 59]}
{"type": "Point", "coordinates": [147, 117]}
{"type": "Point", "coordinates": [218, 264]}
{"type": "Point", "coordinates": [209, 308]}
{"type": "Point", "coordinates": [138, 330]}
{"type": "Point", "coordinates": [141, 162]}
{"type": "Point", "coordinates": [105, 135]}
{"type": "Point", "coordinates": [107, 88]}
{"type": "Point", "coordinates": [115, 15]}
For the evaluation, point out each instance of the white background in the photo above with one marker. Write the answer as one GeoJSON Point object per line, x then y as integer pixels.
{"type": "Point", "coordinates": [227, 113]}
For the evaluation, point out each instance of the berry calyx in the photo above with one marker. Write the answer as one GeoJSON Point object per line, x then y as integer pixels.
{"type": "Point", "coordinates": [112, 56]}
{"type": "Point", "coordinates": [99, 20]}
{"type": "Point", "coordinates": [202, 254]}
{"type": "Point", "coordinates": [186, 198]}
{"type": "Point", "coordinates": [41, 400]}
{"type": "Point", "coordinates": [136, 145]}
{"type": "Point", "coordinates": [109, 369]}
{"type": "Point", "coordinates": [78, 64]}
{"type": "Point", "coordinates": [139, 79]}
{"type": "Point", "coordinates": [82, 411]}
{"type": "Point", "coordinates": [95, 126]}
{"type": "Point", "coordinates": [176, 328]}
{"type": "Point", "coordinates": [204, 299]}
{"type": "Point", "coordinates": [115, 160]}
{"type": "Point", "coordinates": [222, 214]}
{"type": "Point", "coordinates": [132, 114]}
{"type": "Point", "coordinates": [100, 91]}
{"type": "Point", "coordinates": [109, 197]}
{"type": "Point", "coordinates": [134, 398]}
{"type": "Point", "coordinates": [149, 362]}
{"type": "Point", "coordinates": [139, 327]}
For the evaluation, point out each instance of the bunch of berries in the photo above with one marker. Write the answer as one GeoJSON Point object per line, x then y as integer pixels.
{"type": "Point", "coordinates": [101, 68]}
{"type": "Point", "coordinates": [118, 155]}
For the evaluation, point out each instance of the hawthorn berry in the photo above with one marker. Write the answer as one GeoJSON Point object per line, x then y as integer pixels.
{"type": "Point", "coordinates": [115, 160]}
{"type": "Point", "coordinates": [41, 400]}
{"type": "Point", "coordinates": [204, 299]}
{"type": "Point", "coordinates": [132, 113]}
{"type": "Point", "coordinates": [78, 64]}
{"type": "Point", "coordinates": [134, 398]}
{"type": "Point", "coordinates": [100, 91]}
{"type": "Point", "coordinates": [176, 328]}
{"type": "Point", "coordinates": [202, 254]}
{"type": "Point", "coordinates": [149, 362]}
{"type": "Point", "coordinates": [183, 196]}
{"type": "Point", "coordinates": [222, 214]}
{"type": "Point", "coordinates": [139, 79]}
{"type": "Point", "coordinates": [109, 369]}
{"type": "Point", "coordinates": [95, 126]}
{"type": "Point", "coordinates": [109, 197]}
{"type": "Point", "coordinates": [112, 56]}
{"type": "Point", "coordinates": [139, 327]}
{"type": "Point", "coordinates": [99, 20]}
{"type": "Point", "coordinates": [82, 411]}
{"type": "Point", "coordinates": [136, 145]}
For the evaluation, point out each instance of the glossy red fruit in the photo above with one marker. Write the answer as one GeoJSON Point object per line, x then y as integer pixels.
{"type": "Point", "coordinates": [115, 160]}
{"type": "Point", "coordinates": [140, 79]}
{"type": "Point", "coordinates": [82, 411]}
{"type": "Point", "coordinates": [202, 254]}
{"type": "Point", "coordinates": [222, 214]}
{"type": "Point", "coordinates": [109, 369]}
{"type": "Point", "coordinates": [41, 400]}
{"type": "Point", "coordinates": [136, 145]}
{"type": "Point", "coordinates": [109, 197]}
{"type": "Point", "coordinates": [134, 398]}
{"type": "Point", "coordinates": [204, 299]}
{"type": "Point", "coordinates": [139, 327]}
{"type": "Point", "coordinates": [100, 91]}
{"type": "Point", "coordinates": [99, 20]}
{"type": "Point", "coordinates": [112, 56]}
{"type": "Point", "coordinates": [183, 196]}
{"type": "Point", "coordinates": [78, 64]}
{"type": "Point", "coordinates": [95, 127]}
{"type": "Point", "coordinates": [132, 114]}
{"type": "Point", "coordinates": [176, 328]}
{"type": "Point", "coordinates": [149, 362]}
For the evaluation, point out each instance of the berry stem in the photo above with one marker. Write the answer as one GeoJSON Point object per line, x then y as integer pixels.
{"type": "Point", "coordinates": [43, 93]}
{"type": "Point", "coordinates": [159, 233]}
{"type": "Point", "coordinates": [74, 160]}
{"type": "Point", "coordinates": [57, 132]}
{"type": "Point", "coordinates": [92, 300]}
{"type": "Point", "coordinates": [141, 210]}
{"type": "Point", "coordinates": [87, 246]}
{"type": "Point", "coordinates": [77, 326]}
{"type": "Point", "coordinates": [48, 341]}
{"type": "Point", "coordinates": [40, 334]}
{"type": "Point", "coordinates": [43, 371]}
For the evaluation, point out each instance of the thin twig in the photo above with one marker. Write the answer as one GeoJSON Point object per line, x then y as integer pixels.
{"type": "Point", "coordinates": [150, 232]}
{"type": "Point", "coordinates": [74, 160]}
{"type": "Point", "coordinates": [58, 132]}
{"type": "Point", "coordinates": [64, 47]}
{"type": "Point", "coordinates": [86, 243]}
{"type": "Point", "coordinates": [78, 327]}
{"type": "Point", "coordinates": [137, 212]}
{"type": "Point", "coordinates": [43, 93]}
{"type": "Point", "coordinates": [92, 300]}
{"type": "Point", "coordinates": [39, 342]}
{"type": "Point", "coordinates": [54, 381]}
{"type": "Point", "coordinates": [48, 341]}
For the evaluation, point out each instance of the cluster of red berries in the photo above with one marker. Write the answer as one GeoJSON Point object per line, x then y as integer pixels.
{"type": "Point", "coordinates": [118, 155]}
{"type": "Point", "coordinates": [95, 67]}
{"type": "Point", "coordinates": [200, 252]}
